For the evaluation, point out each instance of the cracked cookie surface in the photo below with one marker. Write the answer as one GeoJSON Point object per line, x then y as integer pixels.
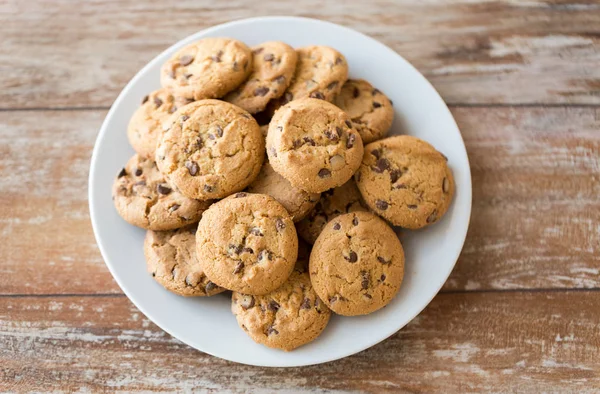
{"type": "Point", "coordinates": [274, 63]}
{"type": "Point", "coordinates": [211, 149]}
{"type": "Point", "coordinates": [406, 181]}
{"type": "Point", "coordinates": [247, 243]}
{"type": "Point", "coordinates": [146, 124]}
{"type": "Point", "coordinates": [297, 202]}
{"type": "Point", "coordinates": [144, 198]}
{"type": "Point", "coordinates": [357, 264]}
{"type": "Point", "coordinates": [370, 111]}
{"type": "Point", "coordinates": [333, 202]}
{"type": "Point", "coordinates": [289, 317]}
{"type": "Point", "coordinates": [312, 144]}
{"type": "Point", "coordinates": [209, 68]}
{"type": "Point", "coordinates": [171, 260]}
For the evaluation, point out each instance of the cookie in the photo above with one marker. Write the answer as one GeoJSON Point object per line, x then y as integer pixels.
{"type": "Point", "coordinates": [147, 121]}
{"type": "Point", "coordinates": [211, 149]}
{"type": "Point", "coordinates": [144, 198]}
{"type": "Point", "coordinates": [312, 144]}
{"type": "Point", "coordinates": [297, 202]}
{"type": "Point", "coordinates": [286, 318]}
{"type": "Point", "coordinates": [406, 181]}
{"type": "Point", "coordinates": [333, 202]}
{"type": "Point", "coordinates": [274, 64]}
{"type": "Point", "coordinates": [209, 68]}
{"type": "Point", "coordinates": [171, 260]}
{"type": "Point", "coordinates": [247, 243]}
{"type": "Point", "coordinates": [357, 264]}
{"type": "Point", "coordinates": [370, 110]}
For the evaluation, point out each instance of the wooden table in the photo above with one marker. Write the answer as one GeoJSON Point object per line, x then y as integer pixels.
{"type": "Point", "coordinates": [521, 311]}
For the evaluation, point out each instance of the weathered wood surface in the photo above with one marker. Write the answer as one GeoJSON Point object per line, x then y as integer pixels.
{"type": "Point", "coordinates": [536, 201]}
{"type": "Point", "coordinates": [472, 342]}
{"type": "Point", "coordinates": [55, 54]}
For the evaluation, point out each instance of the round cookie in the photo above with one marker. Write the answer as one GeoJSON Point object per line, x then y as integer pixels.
{"type": "Point", "coordinates": [146, 124]}
{"type": "Point", "coordinates": [211, 149]}
{"type": "Point", "coordinates": [171, 260]}
{"type": "Point", "coordinates": [286, 318]}
{"type": "Point", "coordinates": [144, 198]}
{"type": "Point", "coordinates": [297, 202]}
{"type": "Point", "coordinates": [370, 110]}
{"type": "Point", "coordinates": [406, 181]}
{"type": "Point", "coordinates": [357, 264]}
{"type": "Point", "coordinates": [209, 68]}
{"type": "Point", "coordinates": [274, 64]}
{"type": "Point", "coordinates": [311, 143]}
{"type": "Point", "coordinates": [247, 243]}
{"type": "Point", "coordinates": [333, 202]}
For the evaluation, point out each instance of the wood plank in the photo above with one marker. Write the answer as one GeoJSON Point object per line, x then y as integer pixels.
{"type": "Point", "coordinates": [471, 342]}
{"type": "Point", "coordinates": [57, 55]}
{"type": "Point", "coordinates": [536, 201]}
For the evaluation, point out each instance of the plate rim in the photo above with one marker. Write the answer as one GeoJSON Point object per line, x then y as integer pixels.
{"type": "Point", "coordinates": [103, 131]}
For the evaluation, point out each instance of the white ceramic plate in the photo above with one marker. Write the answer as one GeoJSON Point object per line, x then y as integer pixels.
{"type": "Point", "coordinates": [207, 323]}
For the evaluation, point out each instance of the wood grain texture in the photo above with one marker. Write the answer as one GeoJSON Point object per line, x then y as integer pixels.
{"type": "Point", "coordinates": [55, 54]}
{"type": "Point", "coordinates": [461, 343]}
{"type": "Point", "coordinates": [535, 221]}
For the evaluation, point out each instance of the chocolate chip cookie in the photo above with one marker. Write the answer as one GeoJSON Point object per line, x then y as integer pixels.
{"type": "Point", "coordinates": [209, 68]}
{"type": "Point", "coordinates": [406, 181]}
{"type": "Point", "coordinates": [312, 144]}
{"type": "Point", "coordinates": [247, 243]}
{"type": "Point", "coordinates": [171, 260]}
{"type": "Point", "coordinates": [286, 318]}
{"type": "Point", "coordinates": [357, 264]}
{"type": "Point", "coordinates": [274, 64]}
{"type": "Point", "coordinates": [144, 198]}
{"type": "Point", "coordinates": [370, 110]}
{"type": "Point", "coordinates": [211, 149]}
{"type": "Point", "coordinates": [297, 202]}
{"type": "Point", "coordinates": [146, 124]}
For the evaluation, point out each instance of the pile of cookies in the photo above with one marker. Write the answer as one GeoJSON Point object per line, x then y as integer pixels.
{"type": "Point", "coordinates": [242, 150]}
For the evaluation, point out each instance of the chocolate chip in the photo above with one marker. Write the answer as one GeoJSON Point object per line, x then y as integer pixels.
{"type": "Point", "coordinates": [287, 97]}
{"type": "Point", "coordinates": [376, 153]}
{"type": "Point", "coordinates": [122, 173]}
{"type": "Point", "coordinates": [317, 95]}
{"type": "Point", "coordinates": [401, 186]}
{"type": "Point", "coordinates": [184, 118]}
{"type": "Point", "coordinates": [261, 91]}
{"type": "Point", "coordinates": [235, 66]}
{"type": "Point", "coordinates": [211, 136]}
{"type": "Point", "coordinates": [272, 330]}
{"type": "Point", "coordinates": [381, 165]}
{"type": "Point", "coordinates": [332, 299]}
{"type": "Point", "coordinates": [348, 123]}
{"type": "Point", "coordinates": [324, 173]}
{"type": "Point", "coordinates": [174, 207]}
{"type": "Point", "coordinates": [161, 189]}
{"type": "Point", "coordinates": [382, 277]}
{"type": "Point", "coordinates": [256, 231]}
{"type": "Point", "coordinates": [375, 91]}
{"type": "Point", "coordinates": [297, 144]}
{"type": "Point", "coordinates": [172, 109]}
{"type": "Point", "coordinates": [265, 255]}
{"type": "Point", "coordinates": [158, 102]}
{"type": "Point", "coordinates": [382, 205]}
{"type": "Point", "coordinates": [140, 183]}
{"type": "Point", "coordinates": [240, 195]}
{"type": "Point", "coordinates": [365, 280]}
{"type": "Point", "coordinates": [305, 304]}
{"type": "Point", "coordinates": [257, 50]}
{"type": "Point", "coordinates": [145, 99]}
{"type": "Point", "coordinates": [355, 221]}
{"type": "Point", "coordinates": [273, 306]}
{"type": "Point", "coordinates": [247, 302]}
{"type": "Point", "coordinates": [279, 224]}
{"type": "Point", "coordinates": [351, 139]}
{"type": "Point", "coordinates": [412, 206]}
{"type": "Point", "coordinates": [238, 268]}
{"type": "Point", "coordinates": [235, 249]}
{"type": "Point", "coordinates": [208, 188]}
{"type": "Point", "coordinates": [279, 128]}
{"type": "Point", "coordinates": [446, 185]}
{"type": "Point", "coordinates": [376, 104]}
{"type": "Point", "coordinates": [186, 60]}
{"type": "Point", "coordinates": [199, 143]}
{"type": "Point", "coordinates": [219, 131]}
{"type": "Point", "coordinates": [217, 58]}
{"type": "Point", "coordinates": [332, 85]}
{"type": "Point", "coordinates": [280, 79]}
{"type": "Point", "coordinates": [382, 260]}
{"type": "Point", "coordinates": [268, 57]}
{"type": "Point", "coordinates": [432, 217]}
{"type": "Point", "coordinates": [138, 172]}
{"type": "Point", "coordinates": [332, 135]}
{"type": "Point", "coordinates": [355, 92]}
{"type": "Point", "coordinates": [153, 274]}
{"type": "Point", "coordinates": [352, 257]}
{"type": "Point", "coordinates": [192, 167]}
{"type": "Point", "coordinates": [395, 175]}
{"type": "Point", "coordinates": [248, 250]}
{"type": "Point", "coordinates": [338, 60]}
{"type": "Point", "coordinates": [309, 141]}
{"type": "Point", "coordinates": [337, 226]}
{"type": "Point", "coordinates": [273, 152]}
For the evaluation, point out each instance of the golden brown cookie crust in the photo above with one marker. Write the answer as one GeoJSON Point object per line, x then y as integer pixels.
{"type": "Point", "coordinates": [211, 149]}
{"type": "Point", "coordinates": [370, 110]}
{"type": "Point", "coordinates": [357, 264]}
{"type": "Point", "coordinates": [247, 243]}
{"type": "Point", "coordinates": [311, 143]}
{"type": "Point", "coordinates": [274, 63]}
{"type": "Point", "coordinates": [171, 260]}
{"type": "Point", "coordinates": [286, 318]}
{"type": "Point", "coordinates": [406, 181]}
{"type": "Point", "coordinates": [144, 198]}
{"type": "Point", "coordinates": [209, 68]}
